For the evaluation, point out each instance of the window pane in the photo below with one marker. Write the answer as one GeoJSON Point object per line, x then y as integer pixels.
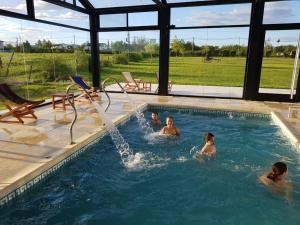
{"type": "Point", "coordinates": [278, 62]}
{"type": "Point", "coordinates": [114, 20]}
{"type": "Point", "coordinates": [211, 15]}
{"type": "Point", "coordinates": [54, 13]}
{"type": "Point", "coordinates": [208, 62]}
{"type": "Point", "coordinates": [135, 52]}
{"type": "Point", "coordinates": [282, 12]}
{"type": "Point", "coordinates": [42, 57]}
{"type": "Point", "coordinates": [142, 19]}
{"type": "Point", "coordinates": [18, 6]}
{"type": "Point", "coordinates": [118, 3]}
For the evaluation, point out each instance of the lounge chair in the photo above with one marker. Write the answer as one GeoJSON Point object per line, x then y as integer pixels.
{"type": "Point", "coordinates": [170, 83]}
{"type": "Point", "coordinates": [17, 106]}
{"type": "Point", "coordinates": [135, 84]}
{"type": "Point", "coordinates": [81, 84]}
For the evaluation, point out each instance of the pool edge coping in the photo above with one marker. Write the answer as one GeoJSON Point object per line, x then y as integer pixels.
{"type": "Point", "coordinates": [24, 183]}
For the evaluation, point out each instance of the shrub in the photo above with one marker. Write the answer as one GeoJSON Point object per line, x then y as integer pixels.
{"type": "Point", "coordinates": [135, 57]}
{"type": "Point", "coordinates": [105, 63]}
{"type": "Point", "coordinates": [121, 59]}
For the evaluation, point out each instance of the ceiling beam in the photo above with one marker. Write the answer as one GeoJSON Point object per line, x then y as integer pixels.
{"type": "Point", "coordinates": [67, 5]}
{"type": "Point", "coordinates": [208, 2]}
{"type": "Point", "coordinates": [86, 4]}
{"type": "Point", "coordinates": [127, 9]}
{"type": "Point", "coordinates": [159, 3]}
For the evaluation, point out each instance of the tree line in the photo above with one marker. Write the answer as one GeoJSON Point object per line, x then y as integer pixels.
{"type": "Point", "coordinates": [178, 47]}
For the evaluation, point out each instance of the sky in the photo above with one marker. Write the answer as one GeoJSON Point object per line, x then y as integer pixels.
{"type": "Point", "coordinates": [275, 12]}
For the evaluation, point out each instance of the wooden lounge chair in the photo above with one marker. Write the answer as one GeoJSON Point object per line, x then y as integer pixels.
{"type": "Point", "coordinates": [17, 106]}
{"type": "Point", "coordinates": [135, 84]}
{"type": "Point", "coordinates": [170, 83]}
{"type": "Point", "coordinates": [82, 85]}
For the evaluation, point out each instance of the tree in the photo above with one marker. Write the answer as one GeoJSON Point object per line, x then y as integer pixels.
{"type": "Point", "coordinates": [152, 49]}
{"type": "Point", "coordinates": [177, 46]}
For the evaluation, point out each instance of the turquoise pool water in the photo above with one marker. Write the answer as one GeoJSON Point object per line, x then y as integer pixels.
{"type": "Point", "coordinates": [167, 185]}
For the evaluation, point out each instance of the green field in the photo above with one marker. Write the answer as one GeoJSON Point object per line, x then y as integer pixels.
{"type": "Point", "coordinates": [38, 79]}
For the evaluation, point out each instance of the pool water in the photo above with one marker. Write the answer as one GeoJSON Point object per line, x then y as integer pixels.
{"type": "Point", "coordinates": [167, 185]}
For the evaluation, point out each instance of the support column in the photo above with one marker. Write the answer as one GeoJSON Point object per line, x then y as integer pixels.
{"type": "Point", "coordinates": [255, 51]}
{"type": "Point", "coordinates": [30, 8]}
{"type": "Point", "coordinates": [164, 48]}
{"type": "Point", "coordinates": [95, 65]}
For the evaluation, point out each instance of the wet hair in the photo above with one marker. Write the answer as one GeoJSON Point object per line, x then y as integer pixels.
{"type": "Point", "coordinates": [155, 113]}
{"type": "Point", "coordinates": [278, 169]}
{"type": "Point", "coordinates": [208, 137]}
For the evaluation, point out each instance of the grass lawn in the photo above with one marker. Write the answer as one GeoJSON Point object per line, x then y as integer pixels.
{"type": "Point", "coordinates": [227, 71]}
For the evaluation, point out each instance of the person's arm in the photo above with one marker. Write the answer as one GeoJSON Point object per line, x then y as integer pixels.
{"type": "Point", "coordinates": [177, 131]}
{"type": "Point", "coordinates": [162, 131]}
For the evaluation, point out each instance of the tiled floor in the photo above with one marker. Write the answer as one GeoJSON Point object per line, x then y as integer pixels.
{"type": "Point", "coordinates": [27, 149]}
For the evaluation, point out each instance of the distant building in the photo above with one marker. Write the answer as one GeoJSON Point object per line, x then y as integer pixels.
{"type": "Point", "coordinates": [152, 41]}
{"type": "Point", "coordinates": [1, 46]}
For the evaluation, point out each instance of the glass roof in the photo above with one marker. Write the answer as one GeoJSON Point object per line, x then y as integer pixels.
{"type": "Point", "coordinates": [119, 3]}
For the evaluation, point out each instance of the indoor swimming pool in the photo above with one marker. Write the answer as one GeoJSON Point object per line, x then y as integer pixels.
{"type": "Point", "coordinates": [164, 183]}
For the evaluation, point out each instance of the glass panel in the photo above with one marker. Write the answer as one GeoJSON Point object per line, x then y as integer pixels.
{"type": "Point", "coordinates": [143, 19]}
{"type": "Point", "coordinates": [54, 13]}
{"type": "Point", "coordinates": [211, 15]}
{"type": "Point", "coordinates": [278, 62]}
{"type": "Point", "coordinates": [135, 52]}
{"type": "Point", "coordinates": [36, 59]}
{"type": "Point", "coordinates": [178, 1]}
{"type": "Point", "coordinates": [282, 12]}
{"type": "Point", "coordinates": [208, 62]}
{"type": "Point", "coordinates": [118, 3]}
{"type": "Point", "coordinates": [113, 20]}
{"type": "Point", "coordinates": [18, 6]}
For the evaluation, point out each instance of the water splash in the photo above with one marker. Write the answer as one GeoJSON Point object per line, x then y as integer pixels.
{"type": "Point", "coordinates": [129, 159]}
{"type": "Point", "coordinates": [147, 129]}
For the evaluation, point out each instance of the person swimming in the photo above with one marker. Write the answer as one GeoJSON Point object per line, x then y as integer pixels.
{"type": "Point", "coordinates": [155, 118]}
{"type": "Point", "coordinates": [209, 148]}
{"type": "Point", "coordinates": [170, 129]}
{"type": "Point", "coordinates": [275, 179]}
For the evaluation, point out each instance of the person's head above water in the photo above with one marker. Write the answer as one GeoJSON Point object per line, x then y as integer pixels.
{"type": "Point", "coordinates": [209, 137]}
{"type": "Point", "coordinates": [278, 170]}
{"type": "Point", "coordinates": [169, 121]}
{"type": "Point", "coordinates": [154, 116]}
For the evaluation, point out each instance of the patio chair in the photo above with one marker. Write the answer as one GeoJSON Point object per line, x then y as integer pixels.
{"type": "Point", "coordinates": [135, 84]}
{"type": "Point", "coordinates": [81, 84]}
{"type": "Point", "coordinates": [170, 83]}
{"type": "Point", "coordinates": [17, 106]}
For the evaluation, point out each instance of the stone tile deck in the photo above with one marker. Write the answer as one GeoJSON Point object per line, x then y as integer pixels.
{"type": "Point", "coordinates": [28, 150]}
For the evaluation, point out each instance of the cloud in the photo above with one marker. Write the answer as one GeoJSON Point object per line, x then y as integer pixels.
{"type": "Point", "coordinates": [20, 8]}
{"type": "Point", "coordinates": [238, 15]}
{"type": "Point", "coordinates": [274, 9]}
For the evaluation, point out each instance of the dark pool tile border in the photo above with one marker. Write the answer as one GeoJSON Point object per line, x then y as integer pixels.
{"type": "Point", "coordinates": [204, 111]}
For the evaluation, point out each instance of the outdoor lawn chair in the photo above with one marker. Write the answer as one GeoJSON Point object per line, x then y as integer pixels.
{"type": "Point", "coordinates": [170, 83]}
{"type": "Point", "coordinates": [17, 106]}
{"type": "Point", "coordinates": [81, 84]}
{"type": "Point", "coordinates": [135, 84]}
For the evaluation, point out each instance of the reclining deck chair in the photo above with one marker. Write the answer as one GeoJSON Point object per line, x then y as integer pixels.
{"type": "Point", "coordinates": [170, 83]}
{"type": "Point", "coordinates": [18, 107]}
{"type": "Point", "coordinates": [81, 84]}
{"type": "Point", "coordinates": [135, 84]}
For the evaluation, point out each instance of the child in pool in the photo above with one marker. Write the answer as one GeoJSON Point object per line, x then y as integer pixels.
{"type": "Point", "coordinates": [275, 180]}
{"type": "Point", "coordinates": [155, 118]}
{"type": "Point", "coordinates": [170, 129]}
{"type": "Point", "coordinates": [209, 149]}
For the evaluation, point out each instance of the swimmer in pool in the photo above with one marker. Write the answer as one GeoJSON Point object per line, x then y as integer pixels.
{"type": "Point", "coordinates": [170, 129]}
{"type": "Point", "coordinates": [209, 148]}
{"type": "Point", "coordinates": [275, 179]}
{"type": "Point", "coordinates": [155, 118]}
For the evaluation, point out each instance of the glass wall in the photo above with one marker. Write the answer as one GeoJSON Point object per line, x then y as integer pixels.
{"type": "Point", "coordinates": [37, 59]}
{"type": "Point", "coordinates": [208, 62]}
{"type": "Point", "coordinates": [136, 52]}
{"type": "Point", "coordinates": [278, 62]}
